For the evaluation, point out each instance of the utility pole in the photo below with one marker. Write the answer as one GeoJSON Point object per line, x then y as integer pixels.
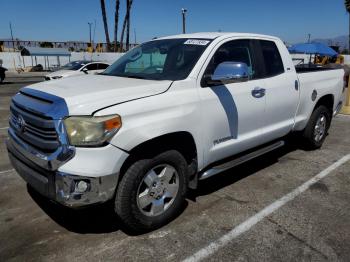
{"type": "Point", "coordinates": [13, 42]}
{"type": "Point", "coordinates": [309, 38]}
{"type": "Point", "coordinates": [93, 36]}
{"type": "Point", "coordinates": [183, 12]}
{"type": "Point", "coordinates": [90, 30]}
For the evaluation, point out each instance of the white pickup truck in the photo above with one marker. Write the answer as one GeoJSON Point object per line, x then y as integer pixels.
{"type": "Point", "coordinates": [168, 113]}
{"type": "Point", "coordinates": [75, 68]}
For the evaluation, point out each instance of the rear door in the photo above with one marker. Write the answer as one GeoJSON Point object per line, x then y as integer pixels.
{"type": "Point", "coordinates": [282, 92]}
{"type": "Point", "coordinates": [232, 114]}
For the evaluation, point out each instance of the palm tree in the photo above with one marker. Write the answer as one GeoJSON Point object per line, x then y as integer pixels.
{"type": "Point", "coordinates": [104, 17]}
{"type": "Point", "coordinates": [127, 42]}
{"type": "Point", "coordinates": [116, 22]}
{"type": "Point", "coordinates": [126, 23]}
{"type": "Point", "coordinates": [347, 7]}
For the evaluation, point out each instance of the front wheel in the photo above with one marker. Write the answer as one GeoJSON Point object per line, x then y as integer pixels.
{"type": "Point", "coordinates": [152, 191]}
{"type": "Point", "coordinates": [316, 130]}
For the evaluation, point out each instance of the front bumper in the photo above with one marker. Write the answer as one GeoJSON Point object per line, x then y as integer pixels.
{"type": "Point", "coordinates": [61, 186]}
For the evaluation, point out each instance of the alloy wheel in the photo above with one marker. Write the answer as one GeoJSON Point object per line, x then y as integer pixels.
{"type": "Point", "coordinates": [158, 190]}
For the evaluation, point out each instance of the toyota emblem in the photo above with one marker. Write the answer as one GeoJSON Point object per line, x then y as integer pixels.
{"type": "Point", "coordinates": [21, 124]}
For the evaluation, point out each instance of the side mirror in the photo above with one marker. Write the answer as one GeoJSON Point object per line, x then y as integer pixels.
{"type": "Point", "coordinates": [229, 72]}
{"type": "Point", "coordinates": [85, 70]}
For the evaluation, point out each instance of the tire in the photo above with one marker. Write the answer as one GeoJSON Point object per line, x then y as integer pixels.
{"type": "Point", "coordinates": [142, 184]}
{"type": "Point", "coordinates": [318, 124]}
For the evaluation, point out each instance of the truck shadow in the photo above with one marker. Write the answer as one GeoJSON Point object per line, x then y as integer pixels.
{"type": "Point", "coordinates": [96, 219]}
{"type": "Point", "coordinates": [235, 174]}
{"type": "Point", "coordinates": [101, 218]}
{"type": "Point", "coordinates": [229, 105]}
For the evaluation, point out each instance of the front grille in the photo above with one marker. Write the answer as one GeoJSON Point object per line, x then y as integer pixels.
{"type": "Point", "coordinates": [36, 130]}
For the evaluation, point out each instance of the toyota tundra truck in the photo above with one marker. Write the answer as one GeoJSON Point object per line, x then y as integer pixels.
{"type": "Point", "coordinates": [168, 113]}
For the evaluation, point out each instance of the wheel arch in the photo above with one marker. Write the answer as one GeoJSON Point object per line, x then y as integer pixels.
{"type": "Point", "coordinates": [181, 141]}
{"type": "Point", "coordinates": [327, 101]}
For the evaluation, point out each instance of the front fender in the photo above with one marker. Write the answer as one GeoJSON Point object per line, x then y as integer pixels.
{"type": "Point", "coordinates": [147, 118]}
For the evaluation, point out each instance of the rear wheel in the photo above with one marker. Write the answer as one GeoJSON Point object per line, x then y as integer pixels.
{"type": "Point", "coordinates": [316, 130]}
{"type": "Point", "coordinates": [152, 191]}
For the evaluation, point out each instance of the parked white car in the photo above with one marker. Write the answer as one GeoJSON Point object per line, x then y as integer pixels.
{"type": "Point", "coordinates": [78, 68]}
{"type": "Point", "coordinates": [167, 114]}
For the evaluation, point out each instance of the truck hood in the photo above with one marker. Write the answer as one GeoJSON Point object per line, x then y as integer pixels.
{"type": "Point", "coordinates": [88, 93]}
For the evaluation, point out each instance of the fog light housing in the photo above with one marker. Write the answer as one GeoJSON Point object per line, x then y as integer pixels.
{"type": "Point", "coordinates": [81, 186]}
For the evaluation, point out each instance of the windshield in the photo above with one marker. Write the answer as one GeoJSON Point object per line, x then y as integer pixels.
{"type": "Point", "coordinates": [168, 59]}
{"type": "Point", "coordinates": [76, 65]}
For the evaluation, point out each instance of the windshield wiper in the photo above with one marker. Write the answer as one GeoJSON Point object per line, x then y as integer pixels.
{"type": "Point", "coordinates": [127, 76]}
{"type": "Point", "coordinates": [133, 76]}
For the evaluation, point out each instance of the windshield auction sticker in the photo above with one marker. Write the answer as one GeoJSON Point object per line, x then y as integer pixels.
{"type": "Point", "coordinates": [196, 42]}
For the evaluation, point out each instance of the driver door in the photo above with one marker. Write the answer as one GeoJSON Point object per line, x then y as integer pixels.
{"type": "Point", "coordinates": [232, 114]}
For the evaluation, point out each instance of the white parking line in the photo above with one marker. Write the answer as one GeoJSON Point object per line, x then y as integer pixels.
{"type": "Point", "coordinates": [6, 171]}
{"type": "Point", "coordinates": [250, 222]}
{"type": "Point", "coordinates": [6, 127]}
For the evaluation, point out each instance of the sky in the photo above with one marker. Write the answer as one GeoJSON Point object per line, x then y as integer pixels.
{"type": "Point", "coordinates": [65, 20]}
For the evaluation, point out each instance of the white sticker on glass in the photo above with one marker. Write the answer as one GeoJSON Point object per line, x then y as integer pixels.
{"type": "Point", "coordinates": [196, 42]}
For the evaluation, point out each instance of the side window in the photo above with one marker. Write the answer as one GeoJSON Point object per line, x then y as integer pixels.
{"type": "Point", "coordinates": [102, 66]}
{"type": "Point", "coordinates": [233, 51]}
{"type": "Point", "coordinates": [92, 67]}
{"type": "Point", "coordinates": [272, 58]}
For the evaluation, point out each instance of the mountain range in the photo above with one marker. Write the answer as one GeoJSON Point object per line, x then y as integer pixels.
{"type": "Point", "coordinates": [341, 41]}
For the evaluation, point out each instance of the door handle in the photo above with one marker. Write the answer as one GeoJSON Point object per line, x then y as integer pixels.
{"type": "Point", "coordinates": [258, 92]}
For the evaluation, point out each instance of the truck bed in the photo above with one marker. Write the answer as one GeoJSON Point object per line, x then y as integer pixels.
{"type": "Point", "coordinates": [317, 82]}
{"type": "Point", "coordinates": [306, 68]}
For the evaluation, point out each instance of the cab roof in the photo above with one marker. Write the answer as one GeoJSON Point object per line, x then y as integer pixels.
{"type": "Point", "coordinates": [214, 35]}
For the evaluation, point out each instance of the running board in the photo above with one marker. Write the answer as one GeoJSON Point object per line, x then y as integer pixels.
{"type": "Point", "coordinates": [220, 168]}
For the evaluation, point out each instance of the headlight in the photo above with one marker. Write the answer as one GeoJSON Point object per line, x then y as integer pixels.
{"type": "Point", "coordinates": [56, 77]}
{"type": "Point", "coordinates": [91, 131]}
